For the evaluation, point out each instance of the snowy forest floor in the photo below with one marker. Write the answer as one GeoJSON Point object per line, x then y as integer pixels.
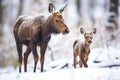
{"type": "Point", "coordinates": [66, 74]}
{"type": "Point", "coordinates": [104, 64]}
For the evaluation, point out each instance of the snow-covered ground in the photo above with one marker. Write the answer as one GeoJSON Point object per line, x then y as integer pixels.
{"type": "Point", "coordinates": [67, 74]}
{"type": "Point", "coordinates": [104, 61]}
{"type": "Point", "coordinates": [104, 64]}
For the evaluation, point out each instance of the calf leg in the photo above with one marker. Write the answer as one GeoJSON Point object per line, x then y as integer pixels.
{"type": "Point", "coordinates": [34, 49]}
{"type": "Point", "coordinates": [86, 59]}
{"type": "Point", "coordinates": [26, 54]}
{"type": "Point", "coordinates": [75, 60]}
{"type": "Point", "coordinates": [19, 49]}
{"type": "Point", "coordinates": [84, 62]}
{"type": "Point", "coordinates": [80, 63]}
{"type": "Point", "coordinates": [42, 50]}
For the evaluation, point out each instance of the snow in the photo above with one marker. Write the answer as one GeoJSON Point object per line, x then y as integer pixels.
{"type": "Point", "coordinates": [104, 61]}
{"type": "Point", "coordinates": [67, 74]}
{"type": "Point", "coordinates": [101, 64]}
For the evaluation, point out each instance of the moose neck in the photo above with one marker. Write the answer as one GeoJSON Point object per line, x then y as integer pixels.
{"type": "Point", "coordinates": [86, 46]}
{"type": "Point", "coordinates": [48, 27]}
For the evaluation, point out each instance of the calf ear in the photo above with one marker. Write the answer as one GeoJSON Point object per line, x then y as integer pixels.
{"type": "Point", "coordinates": [51, 8]}
{"type": "Point", "coordinates": [94, 31]}
{"type": "Point", "coordinates": [81, 30]}
{"type": "Point", "coordinates": [62, 9]}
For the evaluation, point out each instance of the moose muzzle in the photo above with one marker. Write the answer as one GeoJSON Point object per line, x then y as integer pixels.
{"type": "Point", "coordinates": [66, 31]}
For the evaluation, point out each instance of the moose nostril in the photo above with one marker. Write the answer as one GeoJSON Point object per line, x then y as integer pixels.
{"type": "Point", "coordinates": [89, 41]}
{"type": "Point", "coordinates": [67, 31]}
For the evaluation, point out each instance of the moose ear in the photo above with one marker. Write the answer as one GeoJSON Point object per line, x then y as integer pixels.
{"type": "Point", "coordinates": [51, 8]}
{"type": "Point", "coordinates": [62, 9]}
{"type": "Point", "coordinates": [94, 31]}
{"type": "Point", "coordinates": [81, 30]}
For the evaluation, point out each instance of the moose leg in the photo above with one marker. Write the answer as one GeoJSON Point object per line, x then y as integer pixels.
{"type": "Point", "coordinates": [86, 59]}
{"type": "Point", "coordinates": [19, 49]}
{"type": "Point", "coordinates": [75, 60]}
{"type": "Point", "coordinates": [34, 50]}
{"type": "Point", "coordinates": [26, 54]}
{"type": "Point", "coordinates": [42, 49]}
{"type": "Point", "coordinates": [80, 63]}
{"type": "Point", "coordinates": [83, 61]}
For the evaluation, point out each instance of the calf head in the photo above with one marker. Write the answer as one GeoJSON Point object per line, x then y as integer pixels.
{"type": "Point", "coordinates": [88, 36]}
{"type": "Point", "coordinates": [57, 19]}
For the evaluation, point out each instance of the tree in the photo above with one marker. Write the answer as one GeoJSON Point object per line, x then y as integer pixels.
{"type": "Point", "coordinates": [113, 15]}
{"type": "Point", "coordinates": [112, 19]}
{"type": "Point", "coordinates": [1, 14]}
{"type": "Point", "coordinates": [20, 7]}
{"type": "Point", "coordinates": [78, 4]}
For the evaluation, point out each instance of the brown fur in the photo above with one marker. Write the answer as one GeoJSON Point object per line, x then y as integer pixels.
{"type": "Point", "coordinates": [82, 49]}
{"type": "Point", "coordinates": [36, 31]}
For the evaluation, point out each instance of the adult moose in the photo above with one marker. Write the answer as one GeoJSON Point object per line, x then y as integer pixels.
{"type": "Point", "coordinates": [36, 31]}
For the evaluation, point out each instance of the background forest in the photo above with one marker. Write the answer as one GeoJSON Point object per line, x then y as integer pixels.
{"type": "Point", "coordinates": [102, 14]}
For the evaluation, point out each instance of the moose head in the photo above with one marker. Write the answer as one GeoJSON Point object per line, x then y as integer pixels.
{"type": "Point", "coordinates": [57, 18]}
{"type": "Point", "coordinates": [88, 35]}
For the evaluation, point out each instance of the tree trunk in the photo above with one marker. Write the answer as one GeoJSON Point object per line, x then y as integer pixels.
{"type": "Point", "coordinates": [113, 17]}
{"type": "Point", "coordinates": [78, 4]}
{"type": "Point", "coordinates": [1, 15]}
{"type": "Point", "coordinates": [20, 7]}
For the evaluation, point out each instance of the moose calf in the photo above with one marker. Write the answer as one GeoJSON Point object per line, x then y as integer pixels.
{"type": "Point", "coordinates": [82, 49]}
{"type": "Point", "coordinates": [36, 31]}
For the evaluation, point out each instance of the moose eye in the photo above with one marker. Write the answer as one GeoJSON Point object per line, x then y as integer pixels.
{"type": "Point", "coordinates": [57, 21]}
{"type": "Point", "coordinates": [86, 37]}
